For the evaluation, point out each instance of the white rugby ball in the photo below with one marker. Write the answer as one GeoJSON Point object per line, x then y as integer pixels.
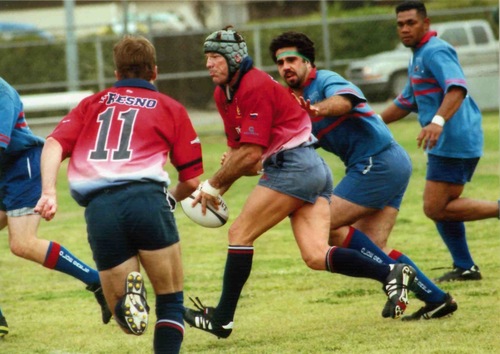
{"type": "Point", "coordinates": [213, 217]}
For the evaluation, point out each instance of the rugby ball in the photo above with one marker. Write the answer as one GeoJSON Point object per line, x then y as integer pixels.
{"type": "Point", "coordinates": [213, 217]}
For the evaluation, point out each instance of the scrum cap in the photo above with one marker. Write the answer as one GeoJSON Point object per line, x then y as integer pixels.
{"type": "Point", "coordinates": [229, 44]}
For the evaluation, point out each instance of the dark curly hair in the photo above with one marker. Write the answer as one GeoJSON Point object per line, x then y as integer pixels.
{"type": "Point", "coordinates": [305, 46]}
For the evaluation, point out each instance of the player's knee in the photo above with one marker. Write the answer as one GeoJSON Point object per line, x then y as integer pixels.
{"type": "Point", "coordinates": [313, 262]}
{"type": "Point", "coordinates": [433, 213]}
{"type": "Point", "coordinates": [237, 236]}
{"type": "Point", "coordinates": [20, 249]}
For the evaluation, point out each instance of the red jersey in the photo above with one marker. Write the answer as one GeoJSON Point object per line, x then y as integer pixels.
{"type": "Point", "coordinates": [264, 113]}
{"type": "Point", "coordinates": [124, 134]}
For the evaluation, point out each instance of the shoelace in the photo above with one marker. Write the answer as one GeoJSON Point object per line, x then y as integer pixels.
{"type": "Point", "coordinates": [198, 304]}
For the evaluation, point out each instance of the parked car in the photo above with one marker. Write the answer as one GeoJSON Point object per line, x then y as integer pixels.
{"type": "Point", "coordinates": [23, 31]}
{"type": "Point", "coordinates": [383, 75]}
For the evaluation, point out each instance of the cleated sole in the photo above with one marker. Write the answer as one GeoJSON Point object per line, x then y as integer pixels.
{"type": "Point", "coordinates": [135, 308]}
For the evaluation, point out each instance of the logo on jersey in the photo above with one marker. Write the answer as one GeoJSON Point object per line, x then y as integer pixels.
{"type": "Point", "coordinates": [195, 141]}
{"type": "Point", "coordinates": [238, 111]}
{"type": "Point", "coordinates": [133, 101]}
{"type": "Point", "coordinates": [251, 131]}
{"type": "Point", "coordinates": [254, 115]}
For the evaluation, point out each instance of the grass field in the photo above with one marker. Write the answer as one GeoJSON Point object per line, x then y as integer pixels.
{"type": "Point", "coordinates": [285, 307]}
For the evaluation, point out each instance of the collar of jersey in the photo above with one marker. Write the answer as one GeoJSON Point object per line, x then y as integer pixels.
{"type": "Point", "coordinates": [426, 38]}
{"type": "Point", "coordinates": [135, 83]}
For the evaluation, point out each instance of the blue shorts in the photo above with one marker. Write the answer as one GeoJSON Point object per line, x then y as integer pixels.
{"type": "Point", "coordinates": [123, 220]}
{"type": "Point", "coordinates": [377, 181]}
{"type": "Point", "coordinates": [298, 172]}
{"type": "Point", "coordinates": [21, 184]}
{"type": "Point", "coordinates": [450, 170]}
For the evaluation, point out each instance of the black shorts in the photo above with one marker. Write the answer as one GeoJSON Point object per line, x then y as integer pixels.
{"type": "Point", "coordinates": [123, 220]}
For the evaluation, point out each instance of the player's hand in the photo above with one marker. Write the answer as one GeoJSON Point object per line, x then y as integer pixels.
{"type": "Point", "coordinates": [312, 110]}
{"type": "Point", "coordinates": [429, 136]}
{"type": "Point", "coordinates": [204, 199]}
{"type": "Point", "coordinates": [47, 206]}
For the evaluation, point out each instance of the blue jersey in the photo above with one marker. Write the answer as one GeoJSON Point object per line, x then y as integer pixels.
{"type": "Point", "coordinates": [353, 136]}
{"type": "Point", "coordinates": [15, 135]}
{"type": "Point", "coordinates": [433, 69]}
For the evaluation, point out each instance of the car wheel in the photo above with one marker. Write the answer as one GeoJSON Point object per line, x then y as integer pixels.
{"type": "Point", "coordinates": [398, 82]}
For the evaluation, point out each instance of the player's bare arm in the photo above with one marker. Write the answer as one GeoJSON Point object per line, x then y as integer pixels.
{"type": "Point", "coordinates": [51, 162]}
{"type": "Point", "coordinates": [393, 113]}
{"type": "Point", "coordinates": [332, 106]}
{"type": "Point", "coordinates": [244, 161]}
{"type": "Point", "coordinates": [183, 189]}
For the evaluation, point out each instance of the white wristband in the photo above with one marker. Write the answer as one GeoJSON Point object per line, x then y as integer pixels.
{"type": "Point", "coordinates": [438, 120]}
{"type": "Point", "coordinates": [206, 187]}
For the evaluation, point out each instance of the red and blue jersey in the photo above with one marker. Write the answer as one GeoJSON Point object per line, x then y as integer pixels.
{"type": "Point", "coordinates": [433, 69]}
{"type": "Point", "coordinates": [125, 134]}
{"type": "Point", "coordinates": [264, 113]}
{"type": "Point", "coordinates": [15, 134]}
{"type": "Point", "coordinates": [353, 136]}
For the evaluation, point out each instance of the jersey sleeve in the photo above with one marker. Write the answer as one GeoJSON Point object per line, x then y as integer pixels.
{"type": "Point", "coordinates": [335, 85]}
{"type": "Point", "coordinates": [186, 153]}
{"type": "Point", "coordinates": [445, 67]}
{"type": "Point", "coordinates": [406, 99]}
{"type": "Point", "coordinates": [69, 128]}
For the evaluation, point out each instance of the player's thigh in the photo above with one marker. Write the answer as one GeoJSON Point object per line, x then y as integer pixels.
{"type": "Point", "coordinates": [378, 225]}
{"type": "Point", "coordinates": [23, 229]}
{"type": "Point", "coordinates": [263, 209]}
{"type": "Point", "coordinates": [445, 181]}
{"type": "Point", "coordinates": [113, 280]}
{"type": "Point", "coordinates": [344, 212]}
{"type": "Point", "coordinates": [311, 225]}
{"type": "Point", "coordinates": [164, 268]}
{"type": "Point", "coordinates": [438, 194]}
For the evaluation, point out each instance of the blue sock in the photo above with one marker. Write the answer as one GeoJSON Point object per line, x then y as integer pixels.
{"type": "Point", "coordinates": [60, 259]}
{"type": "Point", "coordinates": [169, 328]}
{"type": "Point", "coordinates": [453, 235]}
{"type": "Point", "coordinates": [423, 287]}
{"type": "Point", "coordinates": [358, 241]}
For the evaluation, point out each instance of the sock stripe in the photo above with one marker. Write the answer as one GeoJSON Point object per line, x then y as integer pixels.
{"type": "Point", "coordinates": [347, 240]}
{"type": "Point", "coordinates": [52, 255]}
{"type": "Point", "coordinates": [329, 265]}
{"type": "Point", "coordinates": [169, 323]}
{"type": "Point", "coordinates": [395, 254]}
{"type": "Point", "coordinates": [240, 249]}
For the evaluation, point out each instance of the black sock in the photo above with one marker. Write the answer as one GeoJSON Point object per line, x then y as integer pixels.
{"type": "Point", "coordinates": [169, 327]}
{"type": "Point", "coordinates": [352, 263]}
{"type": "Point", "coordinates": [236, 273]}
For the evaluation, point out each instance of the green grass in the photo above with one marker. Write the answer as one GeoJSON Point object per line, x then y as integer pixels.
{"type": "Point", "coordinates": [285, 307]}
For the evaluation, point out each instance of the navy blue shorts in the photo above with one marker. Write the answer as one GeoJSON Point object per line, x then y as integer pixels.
{"type": "Point", "coordinates": [451, 170]}
{"type": "Point", "coordinates": [377, 181]}
{"type": "Point", "coordinates": [123, 220]}
{"type": "Point", "coordinates": [20, 185]}
{"type": "Point", "coordinates": [298, 172]}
